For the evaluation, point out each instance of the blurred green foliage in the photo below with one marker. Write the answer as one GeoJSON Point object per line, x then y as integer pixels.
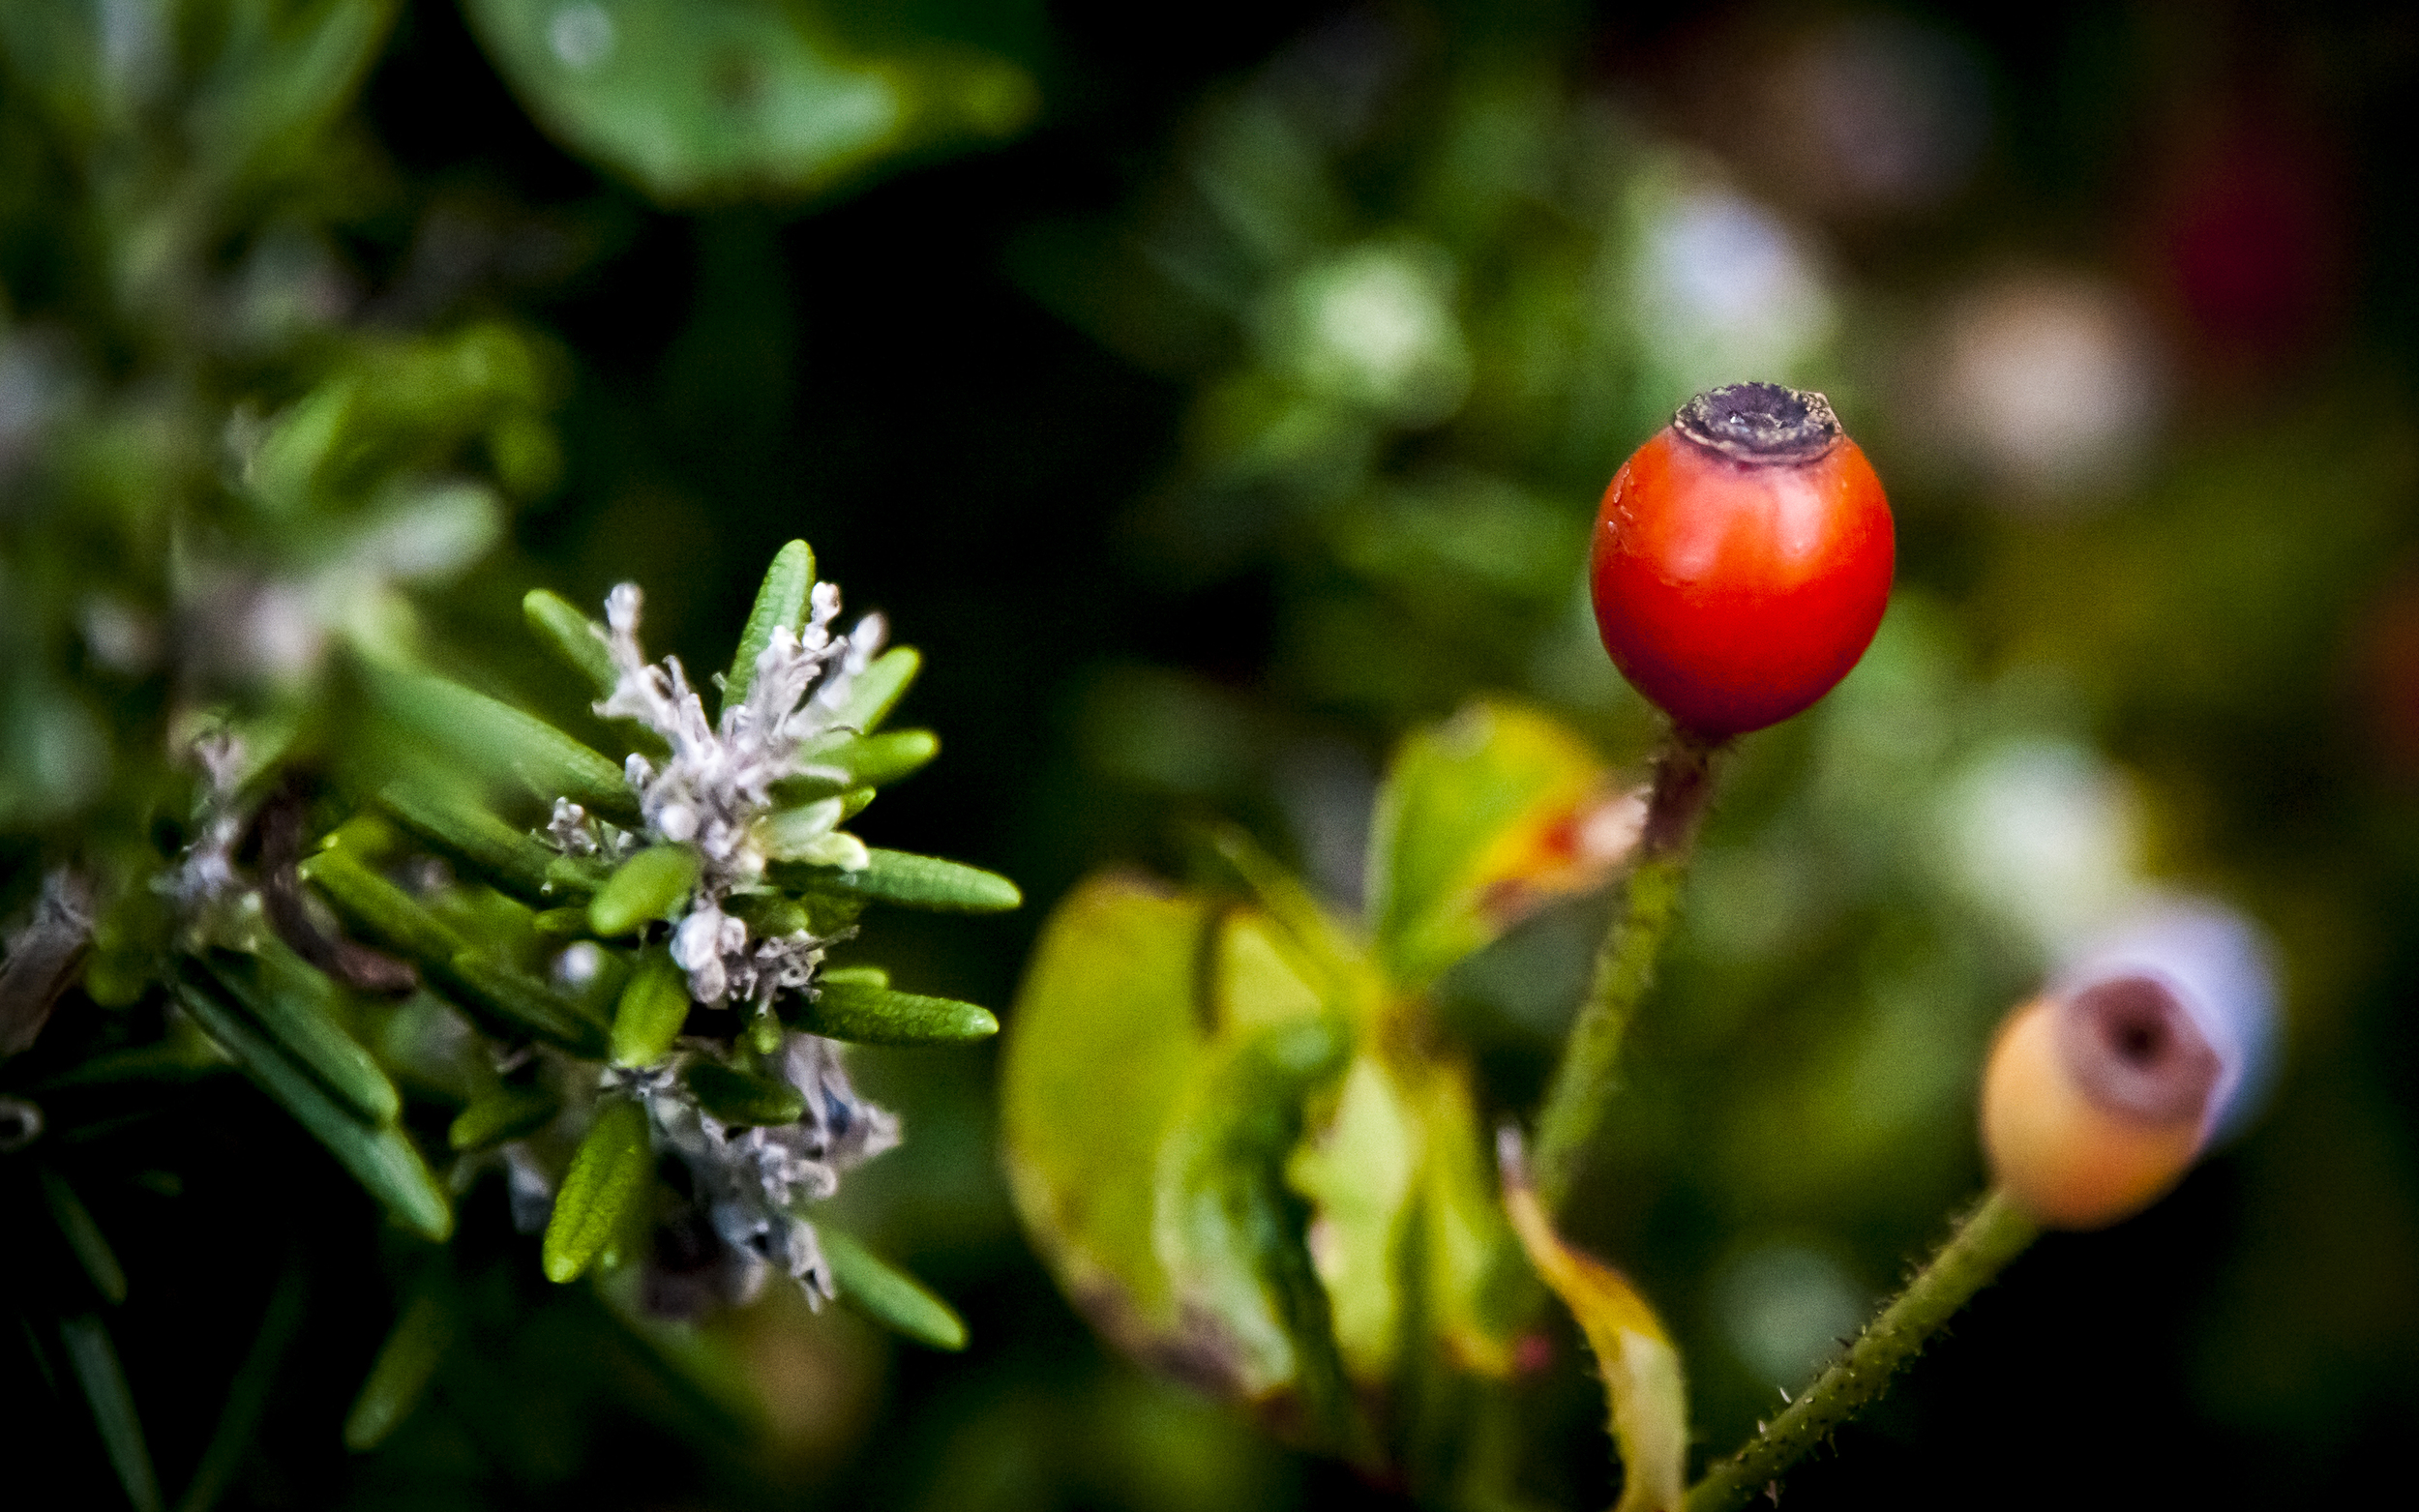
{"type": "Point", "coordinates": [1243, 415]}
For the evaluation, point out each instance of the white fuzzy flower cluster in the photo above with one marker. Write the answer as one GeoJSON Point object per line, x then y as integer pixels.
{"type": "Point", "coordinates": [203, 883]}
{"type": "Point", "coordinates": [714, 791]}
{"type": "Point", "coordinates": [749, 1183]}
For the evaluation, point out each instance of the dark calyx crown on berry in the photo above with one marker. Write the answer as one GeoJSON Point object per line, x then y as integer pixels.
{"type": "Point", "coordinates": [1760, 423]}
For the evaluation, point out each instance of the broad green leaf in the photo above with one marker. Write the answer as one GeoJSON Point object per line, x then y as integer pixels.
{"type": "Point", "coordinates": [873, 1014]}
{"type": "Point", "coordinates": [95, 1361]}
{"type": "Point", "coordinates": [1648, 1407]}
{"type": "Point", "coordinates": [1464, 1236]}
{"type": "Point", "coordinates": [738, 98]}
{"type": "Point", "coordinates": [280, 1006]}
{"type": "Point", "coordinates": [879, 689]}
{"type": "Point", "coordinates": [578, 640]}
{"type": "Point", "coordinates": [1103, 1041]}
{"type": "Point", "coordinates": [83, 1237]}
{"type": "Point", "coordinates": [919, 883]}
{"type": "Point", "coordinates": [1359, 1170]}
{"type": "Point", "coordinates": [1317, 947]}
{"type": "Point", "coordinates": [742, 1098]}
{"type": "Point", "coordinates": [399, 1375]}
{"type": "Point", "coordinates": [500, 1113]}
{"type": "Point", "coordinates": [648, 886]}
{"type": "Point", "coordinates": [887, 1295]}
{"type": "Point", "coordinates": [1262, 978]}
{"type": "Point", "coordinates": [1398, 1162]}
{"type": "Point", "coordinates": [609, 1173]}
{"type": "Point", "coordinates": [453, 820]}
{"type": "Point", "coordinates": [653, 1009]}
{"type": "Point", "coordinates": [1480, 820]}
{"type": "Point", "coordinates": [492, 741]}
{"type": "Point", "coordinates": [383, 1159]}
{"type": "Point", "coordinates": [780, 605]}
{"type": "Point", "coordinates": [1231, 1236]}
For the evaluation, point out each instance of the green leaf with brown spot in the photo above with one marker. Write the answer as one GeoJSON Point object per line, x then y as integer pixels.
{"type": "Point", "coordinates": [1479, 821]}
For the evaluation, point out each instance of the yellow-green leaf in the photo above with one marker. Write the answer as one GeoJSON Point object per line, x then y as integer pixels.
{"type": "Point", "coordinates": [1480, 820]}
{"type": "Point", "coordinates": [1102, 1042]}
{"type": "Point", "coordinates": [653, 1009]}
{"type": "Point", "coordinates": [608, 1172]}
{"type": "Point", "coordinates": [646, 887]}
{"type": "Point", "coordinates": [1642, 1379]}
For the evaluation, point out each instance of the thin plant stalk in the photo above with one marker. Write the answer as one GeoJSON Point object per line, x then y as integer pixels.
{"type": "Point", "coordinates": [1989, 1236]}
{"type": "Point", "coordinates": [1590, 1071]}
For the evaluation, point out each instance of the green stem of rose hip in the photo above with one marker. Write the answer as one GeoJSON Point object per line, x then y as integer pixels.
{"type": "Point", "coordinates": [1989, 1236]}
{"type": "Point", "coordinates": [1589, 1075]}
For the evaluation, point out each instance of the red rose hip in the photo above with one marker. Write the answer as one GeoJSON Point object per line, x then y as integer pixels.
{"type": "Point", "coordinates": [1741, 559]}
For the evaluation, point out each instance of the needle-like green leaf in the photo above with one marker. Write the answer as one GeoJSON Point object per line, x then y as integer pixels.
{"type": "Point", "coordinates": [646, 887]}
{"type": "Point", "coordinates": [94, 1359]}
{"type": "Point", "coordinates": [83, 1235]}
{"type": "Point", "coordinates": [381, 1159]}
{"type": "Point", "coordinates": [411, 1355]}
{"type": "Point", "coordinates": [454, 821]}
{"type": "Point", "coordinates": [742, 1098]}
{"type": "Point", "coordinates": [248, 1393]}
{"type": "Point", "coordinates": [500, 1113]}
{"type": "Point", "coordinates": [781, 602]}
{"type": "Point", "coordinates": [608, 1172]}
{"type": "Point", "coordinates": [888, 1297]}
{"type": "Point", "coordinates": [879, 689]}
{"type": "Point", "coordinates": [875, 1014]}
{"type": "Point", "coordinates": [496, 742]}
{"type": "Point", "coordinates": [918, 882]}
{"type": "Point", "coordinates": [653, 1009]}
{"type": "Point", "coordinates": [302, 1029]}
{"type": "Point", "coordinates": [570, 635]}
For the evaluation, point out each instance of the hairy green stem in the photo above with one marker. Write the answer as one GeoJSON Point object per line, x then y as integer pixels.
{"type": "Point", "coordinates": [1589, 1074]}
{"type": "Point", "coordinates": [1992, 1234]}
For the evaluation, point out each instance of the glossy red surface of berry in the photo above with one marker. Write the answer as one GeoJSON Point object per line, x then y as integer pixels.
{"type": "Point", "coordinates": [1741, 559]}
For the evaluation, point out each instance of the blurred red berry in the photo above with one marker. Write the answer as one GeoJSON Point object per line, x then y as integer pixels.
{"type": "Point", "coordinates": [1741, 559]}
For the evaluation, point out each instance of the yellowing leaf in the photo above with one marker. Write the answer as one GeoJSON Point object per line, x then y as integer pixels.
{"type": "Point", "coordinates": [1258, 987]}
{"type": "Point", "coordinates": [1101, 1044]}
{"type": "Point", "coordinates": [1480, 821]}
{"type": "Point", "coordinates": [1463, 1231]}
{"type": "Point", "coordinates": [1649, 1401]}
{"type": "Point", "coordinates": [1359, 1171]}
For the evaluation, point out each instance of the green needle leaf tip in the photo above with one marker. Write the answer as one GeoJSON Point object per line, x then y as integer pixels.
{"type": "Point", "coordinates": [780, 601]}
{"type": "Point", "coordinates": [401, 1373]}
{"type": "Point", "coordinates": [738, 1097]}
{"type": "Point", "coordinates": [890, 1297]}
{"type": "Point", "coordinates": [608, 1174]}
{"type": "Point", "coordinates": [653, 1009]}
{"type": "Point", "coordinates": [923, 882]}
{"type": "Point", "coordinates": [648, 886]}
{"type": "Point", "coordinates": [871, 1013]}
{"type": "Point", "coordinates": [95, 1361]}
{"type": "Point", "coordinates": [570, 635]}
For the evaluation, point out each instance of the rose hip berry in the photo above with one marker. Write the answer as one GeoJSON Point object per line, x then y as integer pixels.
{"type": "Point", "coordinates": [1741, 559]}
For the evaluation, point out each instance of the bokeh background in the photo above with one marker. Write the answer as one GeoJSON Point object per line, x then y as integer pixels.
{"type": "Point", "coordinates": [1216, 394]}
